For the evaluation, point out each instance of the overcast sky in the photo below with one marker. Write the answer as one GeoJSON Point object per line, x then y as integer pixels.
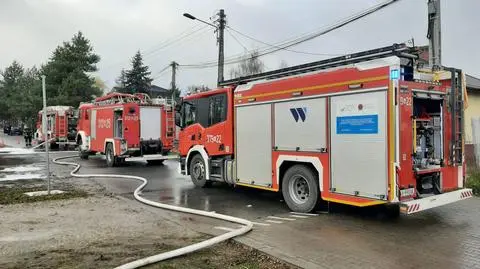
{"type": "Point", "coordinates": [31, 29]}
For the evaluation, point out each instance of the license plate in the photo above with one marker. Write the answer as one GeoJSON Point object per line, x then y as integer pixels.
{"type": "Point", "coordinates": [407, 192]}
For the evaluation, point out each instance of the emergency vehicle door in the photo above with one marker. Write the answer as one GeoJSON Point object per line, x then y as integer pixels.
{"type": "Point", "coordinates": [359, 144]}
{"type": "Point", "coordinates": [118, 123]}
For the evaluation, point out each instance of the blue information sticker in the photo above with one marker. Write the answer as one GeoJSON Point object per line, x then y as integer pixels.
{"type": "Point", "coordinates": [362, 124]}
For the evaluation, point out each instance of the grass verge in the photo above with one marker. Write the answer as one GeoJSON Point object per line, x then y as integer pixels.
{"type": "Point", "coordinates": [109, 254]}
{"type": "Point", "coordinates": [15, 195]}
{"type": "Point", "coordinates": [473, 181]}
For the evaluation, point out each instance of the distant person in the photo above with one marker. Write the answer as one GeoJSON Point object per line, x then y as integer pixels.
{"type": "Point", "coordinates": [28, 135]}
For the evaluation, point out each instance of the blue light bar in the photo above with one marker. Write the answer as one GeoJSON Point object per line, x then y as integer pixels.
{"type": "Point", "coordinates": [394, 74]}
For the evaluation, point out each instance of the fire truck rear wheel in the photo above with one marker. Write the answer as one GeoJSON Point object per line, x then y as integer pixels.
{"type": "Point", "coordinates": [110, 156]}
{"type": "Point", "coordinates": [198, 173]}
{"type": "Point", "coordinates": [300, 189]}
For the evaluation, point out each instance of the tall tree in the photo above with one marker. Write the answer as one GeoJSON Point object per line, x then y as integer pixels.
{"type": "Point", "coordinates": [250, 65]}
{"type": "Point", "coordinates": [10, 77]}
{"type": "Point", "coordinates": [121, 81]}
{"type": "Point", "coordinates": [138, 78]}
{"type": "Point", "coordinates": [68, 80]}
{"type": "Point", "coordinates": [21, 94]}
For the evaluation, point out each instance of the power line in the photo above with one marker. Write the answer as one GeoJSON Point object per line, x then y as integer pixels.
{"type": "Point", "coordinates": [234, 37]}
{"type": "Point", "coordinates": [160, 73]}
{"type": "Point", "coordinates": [190, 34]}
{"type": "Point", "coordinates": [303, 38]}
{"type": "Point", "coordinates": [186, 33]}
{"type": "Point", "coordinates": [275, 46]}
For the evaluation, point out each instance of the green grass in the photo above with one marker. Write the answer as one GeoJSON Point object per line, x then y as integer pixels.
{"type": "Point", "coordinates": [473, 181]}
{"type": "Point", "coordinates": [15, 195]}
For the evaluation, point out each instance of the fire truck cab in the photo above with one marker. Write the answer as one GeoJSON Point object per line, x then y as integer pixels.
{"type": "Point", "coordinates": [126, 127]}
{"type": "Point", "coordinates": [365, 129]}
{"type": "Point", "coordinates": [61, 126]}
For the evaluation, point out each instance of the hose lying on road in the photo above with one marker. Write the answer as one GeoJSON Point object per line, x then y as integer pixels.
{"type": "Point", "coordinates": [177, 252]}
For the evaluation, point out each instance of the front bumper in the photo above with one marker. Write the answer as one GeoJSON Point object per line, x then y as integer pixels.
{"type": "Point", "coordinates": [415, 206]}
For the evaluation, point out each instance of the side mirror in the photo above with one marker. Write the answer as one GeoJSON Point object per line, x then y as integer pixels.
{"type": "Point", "coordinates": [179, 104]}
{"type": "Point", "coordinates": [178, 119]}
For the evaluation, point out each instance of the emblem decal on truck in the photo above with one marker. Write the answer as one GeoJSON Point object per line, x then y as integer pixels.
{"type": "Point", "coordinates": [104, 123]}
{"type": "Point", "coordinates": [299, 113]}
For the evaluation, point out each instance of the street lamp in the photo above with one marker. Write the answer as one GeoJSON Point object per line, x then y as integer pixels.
{"type": "Point", "coordinates": [221, 27]}
{"type": "Point", "coordinates": [190, 16]}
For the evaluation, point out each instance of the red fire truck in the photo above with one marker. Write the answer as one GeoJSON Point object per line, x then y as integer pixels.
{"type": "Point", "coordinates": [61, 126]}
{"type": "Point", "coordinates": [126, 127]}
{"type": "Point", "coordinates": [370, 128]}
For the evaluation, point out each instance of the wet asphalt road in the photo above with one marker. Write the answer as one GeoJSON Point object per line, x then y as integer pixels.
{"type": "Point", "coordinates": [446, 237]}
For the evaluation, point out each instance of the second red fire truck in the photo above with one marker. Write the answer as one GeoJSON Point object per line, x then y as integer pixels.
{"type": "Point", "coordinates": [366, 129]}
{"type": "Point", "coordinates": [61, 126]}
{"type": "Point", "coordinates": [126, 127]}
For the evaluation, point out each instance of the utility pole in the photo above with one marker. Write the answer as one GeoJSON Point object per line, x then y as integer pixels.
{"type": "Point", "coordinates": [220, 38]}
{"type": "Point", "coordinates": [45, 131]}
{"type": "Point", "coordinates": [174, 66]}
{"type": "Point", "coordinates": [219, 29]}
{"type": "Point", "coordinates": [434, 35]}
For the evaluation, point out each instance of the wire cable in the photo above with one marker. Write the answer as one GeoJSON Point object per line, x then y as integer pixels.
{"type": "Point", "coordinates": [235, 38]}
{"type": "Point", "coordinates": [303, 38]}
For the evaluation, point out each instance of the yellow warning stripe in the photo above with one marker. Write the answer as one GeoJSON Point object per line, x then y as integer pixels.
{"type": "Point", "coordinates": [359, 204]}
{"type": "Point", "coordinates": [255, 186]}
{"type": "Point", "coordinates": [317, 87]}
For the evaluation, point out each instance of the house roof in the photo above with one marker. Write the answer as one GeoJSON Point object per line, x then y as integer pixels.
{"type": "Point", "coordinates": [473, 83]}
{"type": "Point", "coordinates": [158, 89]}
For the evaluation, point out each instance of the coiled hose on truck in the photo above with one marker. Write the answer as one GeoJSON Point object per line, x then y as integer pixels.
{"type": "Point", "coordinates": [177, 252]}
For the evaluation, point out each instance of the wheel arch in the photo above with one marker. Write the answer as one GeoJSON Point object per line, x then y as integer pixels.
{"type": "Point", "coordinates": [284, 162]}
{"type": "Point", "coordinates": [85, 142]}
{"type": "Point", "coordinates": [107, 141]}
{"type": "Point", "coordinates": [198, 149]}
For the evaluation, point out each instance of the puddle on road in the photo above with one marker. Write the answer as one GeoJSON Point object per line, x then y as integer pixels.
{"type": "Point", "coordinates": [21, 169]}
{"type": "Point", "coordinates": [20, 164]}
{"type": "Point", "coordinates": [25, 176]}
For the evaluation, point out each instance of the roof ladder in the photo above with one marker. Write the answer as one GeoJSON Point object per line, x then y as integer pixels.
{"type": "Point", "coordinates": [400, 50]}
{"type": "Point", "coordinates": [170, 117]}
{"type": "Point", "coordinates": [457, 123]}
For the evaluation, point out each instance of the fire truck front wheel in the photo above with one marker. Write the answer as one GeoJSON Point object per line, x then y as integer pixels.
{"type": "Point", "coordinates": [82, 154]}
{"type": "Point", "coordinates": [198, 173]}
{"type": "Point", "coordinates": [300, 189]}
{"type": "Point", "coordinates": [112, 160]}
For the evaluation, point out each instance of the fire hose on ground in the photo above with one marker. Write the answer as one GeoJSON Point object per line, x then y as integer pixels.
{"type": "Point", "coordinates": [247, 225]}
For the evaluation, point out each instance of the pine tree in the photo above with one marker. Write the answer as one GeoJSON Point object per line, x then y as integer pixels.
{"type": "Point", "coordinates": [68, 82]}
{"type": "Point", "coordinates": [121, 81]}
{"type": "Point", "coordinates": [138, 78]}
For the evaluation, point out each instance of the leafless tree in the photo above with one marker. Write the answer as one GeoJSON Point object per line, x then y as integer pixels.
{"type": "Point", "coordinates": [250, 65]}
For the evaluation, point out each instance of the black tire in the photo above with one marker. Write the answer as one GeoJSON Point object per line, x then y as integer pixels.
{"type": "Point", "coordinates": [198, 173]}
{"type": "Point", "coordinates": [82, 154]}
{"type": "Point", "coordinates": [112, 161]}
{"type": "Point", "coordinates": [300, 189]}
{"type": "Point", "coordinates": [155, 162]}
